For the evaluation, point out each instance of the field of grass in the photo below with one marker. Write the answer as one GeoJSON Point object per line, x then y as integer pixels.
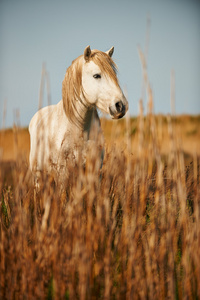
{"type": "Point", "coordinates": [129, 231]}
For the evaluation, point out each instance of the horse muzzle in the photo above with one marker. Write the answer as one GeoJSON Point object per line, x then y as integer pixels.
{"type": "Point", "coordinates": [118, 110]}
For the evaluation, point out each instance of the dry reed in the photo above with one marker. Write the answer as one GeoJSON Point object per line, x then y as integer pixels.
{"type": "Point", "coordinates": [128, 231]}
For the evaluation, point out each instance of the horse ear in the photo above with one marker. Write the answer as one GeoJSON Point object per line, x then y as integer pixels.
{"type": "Point", "coordinates": [110, 52]}
{"type": "Point", "coordinates": [87, 53]}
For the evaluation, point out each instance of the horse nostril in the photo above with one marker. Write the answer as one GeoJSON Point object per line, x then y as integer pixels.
{"type": "Point", "coordinates": [119, 106]}
{"type": "Point", "coordinates": [117, 110]}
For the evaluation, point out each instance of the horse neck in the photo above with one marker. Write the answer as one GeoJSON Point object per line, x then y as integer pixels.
{"type": "Point", "coordinates": [88, 120]}
{"type": "Point", "coordinates": [91, 123]}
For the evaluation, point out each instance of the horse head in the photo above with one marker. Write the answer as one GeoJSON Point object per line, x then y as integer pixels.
{"type": "Point", "coordinates": [100, 83]}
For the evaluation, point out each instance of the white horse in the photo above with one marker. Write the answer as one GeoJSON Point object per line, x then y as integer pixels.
{"type": "Point", "coordinates": [67, 127]}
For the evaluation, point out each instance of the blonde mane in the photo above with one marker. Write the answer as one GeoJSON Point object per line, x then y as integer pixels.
{"type": "Point", "coordinates": [72, 90]}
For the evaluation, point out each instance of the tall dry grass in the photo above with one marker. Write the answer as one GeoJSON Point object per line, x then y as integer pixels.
{"type": "Point", "coordinates": [128, 231]}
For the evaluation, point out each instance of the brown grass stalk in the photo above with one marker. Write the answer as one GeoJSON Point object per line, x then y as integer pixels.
{"type": "Point", "coordinates": [130, 230]}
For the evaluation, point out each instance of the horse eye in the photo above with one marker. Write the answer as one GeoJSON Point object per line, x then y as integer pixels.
{"type": "Point", "coordinates": [96, 76]}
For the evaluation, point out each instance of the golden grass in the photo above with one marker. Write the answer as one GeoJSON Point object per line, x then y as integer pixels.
{"type": "Point", "coordinates": [129, 231]}
{"type": "Point", "coordinates": [13, 143]}
{"type": "Point", "coordinates": [16, 141]}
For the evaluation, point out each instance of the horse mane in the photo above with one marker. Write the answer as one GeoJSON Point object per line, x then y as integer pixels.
{"type": "Point", "coordinates": [72, 89]}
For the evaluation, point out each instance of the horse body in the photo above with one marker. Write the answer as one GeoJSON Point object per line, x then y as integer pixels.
{"type": "Point", "coordinates": [65, 129]}
{"type": "Point", "coordinates": [53, 136]}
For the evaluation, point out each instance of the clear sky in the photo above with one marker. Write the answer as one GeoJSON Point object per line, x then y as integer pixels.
{"type": "Point", "coordinates": [56, 32]}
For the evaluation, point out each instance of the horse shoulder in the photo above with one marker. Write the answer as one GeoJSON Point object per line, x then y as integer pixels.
{"type": "Point", "coordinates": [42, 128]}
{"type": "Point", "coordinates": [40, 117]}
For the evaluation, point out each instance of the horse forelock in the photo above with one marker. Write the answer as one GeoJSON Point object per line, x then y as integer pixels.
{"type": "Point", "coordinates": [72, 90]}
{"type": "Point", "coordinates": [106, 64]}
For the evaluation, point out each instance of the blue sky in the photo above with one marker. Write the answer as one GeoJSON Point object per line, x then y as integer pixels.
{"type": "Point", "coordinates": [56, 32]}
